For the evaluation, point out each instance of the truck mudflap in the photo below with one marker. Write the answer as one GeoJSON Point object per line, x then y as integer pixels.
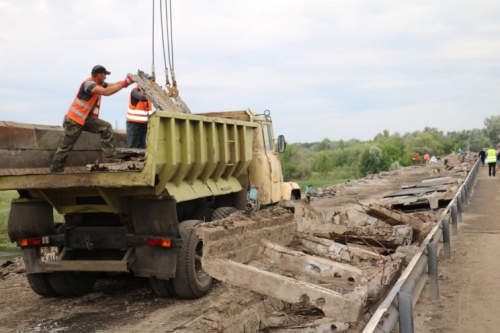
{"type": "Point", "coordinates": [155, 262]}
{"type": "Point", "coordinates": [30, 219]}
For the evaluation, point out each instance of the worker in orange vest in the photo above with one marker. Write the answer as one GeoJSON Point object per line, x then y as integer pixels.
{"type": "Point", "coordinates": [416, 159]}
{"type": "Point", "coordinates": [83, 116]}
{"type": "Point", "coordinates": [139, 110]}
{"type": "Point", "coordinates": [427, 158]}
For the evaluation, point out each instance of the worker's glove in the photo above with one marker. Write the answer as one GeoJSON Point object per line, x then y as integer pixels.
{"type": "Point", "coordinates": [128, 81]}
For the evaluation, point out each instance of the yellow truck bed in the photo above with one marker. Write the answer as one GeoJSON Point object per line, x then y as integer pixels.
{"type": "Point", "coordinates": [189, 155]}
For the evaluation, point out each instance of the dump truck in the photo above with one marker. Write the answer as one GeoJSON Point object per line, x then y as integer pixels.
{"type": "Point", "coordinates": [137, 216]}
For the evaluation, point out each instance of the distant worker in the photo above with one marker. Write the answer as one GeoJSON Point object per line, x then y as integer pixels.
{"type": "Point", "coordinates": [416, 159]}
{"type": "Point", "coordinates": [482, 156]}
{"type": "Point", "coordinates": [498, 160]}
{"type": "Point", "coordinates": [427, 158]}
{"type": "Point", "coordinates": [139, 110]}
{"type": "Point", "coordinates": [83, 116]}
{"type": "Point", "coordinates": [491, 159]}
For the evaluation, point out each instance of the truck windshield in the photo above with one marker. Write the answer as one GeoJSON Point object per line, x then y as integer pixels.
{"type": "Point", "coordinates": [267, 137]}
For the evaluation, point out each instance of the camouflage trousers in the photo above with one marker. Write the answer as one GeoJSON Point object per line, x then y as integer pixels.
{"type": "Point", "coordinates": [73, 130]}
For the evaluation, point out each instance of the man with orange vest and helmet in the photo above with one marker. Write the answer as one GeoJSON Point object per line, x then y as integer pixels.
{"type": "Point", "coordinates": [138, 112]}
{"type": "Point", "coordinates": [83, 116]}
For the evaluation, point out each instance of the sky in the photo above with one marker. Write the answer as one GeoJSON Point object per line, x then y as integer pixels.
{"type": "Point", "coordinates": [324, 68]}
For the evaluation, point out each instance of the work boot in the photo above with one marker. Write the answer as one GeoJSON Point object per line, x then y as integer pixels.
{"type": "Point", "coordinates": [57, 167]}
{"type": "Point", "coordinates": [111, 160]}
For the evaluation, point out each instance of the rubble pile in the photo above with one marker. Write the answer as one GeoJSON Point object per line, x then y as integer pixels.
{"type": "Point", "coordinates": [335, 269]}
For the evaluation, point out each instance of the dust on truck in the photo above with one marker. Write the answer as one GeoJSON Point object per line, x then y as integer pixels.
{"type": "Point", "coordinates": [141, 217]}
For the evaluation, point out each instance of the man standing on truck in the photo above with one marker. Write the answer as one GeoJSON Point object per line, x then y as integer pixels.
{"type": "Point", "coordinates": [138, 112]}
{"type": "Point", "coordinates": [83, 116]}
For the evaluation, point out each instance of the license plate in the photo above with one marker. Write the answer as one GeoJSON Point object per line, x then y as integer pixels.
{"type": "Point", "coordinates": [48, 253]}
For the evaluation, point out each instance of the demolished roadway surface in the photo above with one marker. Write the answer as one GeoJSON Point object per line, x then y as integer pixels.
{"type": "Point", "coordinates": [264, 284]}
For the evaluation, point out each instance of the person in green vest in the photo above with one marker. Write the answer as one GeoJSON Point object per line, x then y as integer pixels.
{"type": "Point", "coordinates": [491, 159]}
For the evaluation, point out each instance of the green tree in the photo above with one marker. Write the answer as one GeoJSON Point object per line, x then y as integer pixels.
{"type": "Point", "coordinates": [492, 129]}
{"type": "Point", "coordinates": [371, 161]}
{"type": "Point", "coordinates": [390, 153]}
{"type": "Point", "coordinates": [295, 161]}
{"type": "Point", "coordinates": [324, 145]}
{"type": "Point", "coordinates": [324, 165]}
{"type": "Point", "coordinates": [426, 142]}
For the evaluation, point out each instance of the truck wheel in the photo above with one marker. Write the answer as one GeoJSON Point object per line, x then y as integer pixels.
{"type": "Point", "coordinates": [70, 284]}
{"type": "Point", "coordinates": [223, 212]}
{"type": "Point", "coordinates": [162, 288]}
{"type": "Point", "coordinates": [40, 284]}
{"type": "Point", "coordinates": [203, 214]}
{"type": "Point", "coordinates": [190, 280]}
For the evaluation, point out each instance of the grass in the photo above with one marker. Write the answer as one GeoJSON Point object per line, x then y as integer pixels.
{"type": "Point", "coordinates": [5, 200]}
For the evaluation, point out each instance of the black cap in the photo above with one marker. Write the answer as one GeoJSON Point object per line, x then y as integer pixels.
{"type": "Point", "coordinates": [99, 69]}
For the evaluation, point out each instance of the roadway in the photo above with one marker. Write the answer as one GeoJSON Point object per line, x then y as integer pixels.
{"type": "Point", "coordinates": [468, 282]}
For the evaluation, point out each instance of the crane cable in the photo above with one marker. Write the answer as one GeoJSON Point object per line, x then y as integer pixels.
{"type": "Point", "coordinates": [172, 89]}
{"type": "Point", "coordinates": [153, 75]}
{"type": "Point", "coordinates": [170, 39]}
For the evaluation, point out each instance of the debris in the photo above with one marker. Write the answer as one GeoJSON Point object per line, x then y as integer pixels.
{"type": "Point", "coordinates": [394, 218]}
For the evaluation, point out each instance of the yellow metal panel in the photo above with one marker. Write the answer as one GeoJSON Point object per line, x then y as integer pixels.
{"type": "Point", "coordinates": [200, 148]}
{"type": "Point", "coordinates": [212, 151]}
{"type": "Point", "coordinates": [185, 151]}
{"type": "Point", "coordinates": [223, 152]}
{"type": "Point", "coordinates": [224, 186]}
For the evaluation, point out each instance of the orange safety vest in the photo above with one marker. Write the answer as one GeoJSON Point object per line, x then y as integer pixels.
{"type": "Point", "coordinates": [139, 113]}
{"type": "Point", "coordinates": [80, 109]}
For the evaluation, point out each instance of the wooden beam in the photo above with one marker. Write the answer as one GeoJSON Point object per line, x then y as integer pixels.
{"type": "Point", "coordinates": [389, 237]}
{"type": "Point", "coordinates": [346, 308]}
{"type": "Point", "coordinates": [327, 248]}
{"type": "Point", "coordinates": [323, 270]}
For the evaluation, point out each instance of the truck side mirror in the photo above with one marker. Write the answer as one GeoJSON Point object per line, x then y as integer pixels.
{"type": "Point", "coordinates": [281, 144]}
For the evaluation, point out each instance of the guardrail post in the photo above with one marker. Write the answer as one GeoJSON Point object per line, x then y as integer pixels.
{"type": "Point", "coordinates": [454, 226]}
{"type": "Point", "coordinates": [433, 270]}
{"type": "Point", "coordinates": [446, 238]}
{"type": "Point", "coordinates": [405, 309]}
{"type": "Point", "coordinates": [469, 190]}
{"type": "Point", "coordinates": [454, 219]}
{"type": "Point", "coordinates": [459, 208]}
{"type": "Point", "coordinates": [464, 194]}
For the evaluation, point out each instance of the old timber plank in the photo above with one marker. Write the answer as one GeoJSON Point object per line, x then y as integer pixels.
{"type": "Point", "coordinates": [237, 237]}
{"type": "Point", "coordinates": [345, 308]}
{"type": "Point", "coordinates": [324, 270]}
{"type": "Point", "coordinates": [396, 217]}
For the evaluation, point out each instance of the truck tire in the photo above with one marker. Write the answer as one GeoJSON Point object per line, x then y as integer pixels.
{"type": "Point", "coordinates": [223, 212]}
{"type": "Point", "coordinates": [71, 284]}
{"type": "Point", "coordinates": [162, 288]}
{"type": "Point", "coordinates": [203, 214]}
{"type": "Point", "coordinates": [190, 280]}
{"type": "Point", "coordinates": [40, 284]}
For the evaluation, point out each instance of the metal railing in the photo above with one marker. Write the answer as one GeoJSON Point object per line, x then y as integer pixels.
{"type": "Point", "coordinates": [399, 303]}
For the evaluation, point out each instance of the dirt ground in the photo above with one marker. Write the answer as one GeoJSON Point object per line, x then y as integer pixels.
{"type": "Point", "coordinates": [126, 304]}
{"type": "Point", "coordinates": [468, 284]}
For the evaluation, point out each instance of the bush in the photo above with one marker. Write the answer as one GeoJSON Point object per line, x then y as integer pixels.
{"type": "Point", "coordinates": [395, 165]}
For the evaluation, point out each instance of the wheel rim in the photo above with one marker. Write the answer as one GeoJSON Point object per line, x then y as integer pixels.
{"type": "Point", "coordinates": [201, 275]}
